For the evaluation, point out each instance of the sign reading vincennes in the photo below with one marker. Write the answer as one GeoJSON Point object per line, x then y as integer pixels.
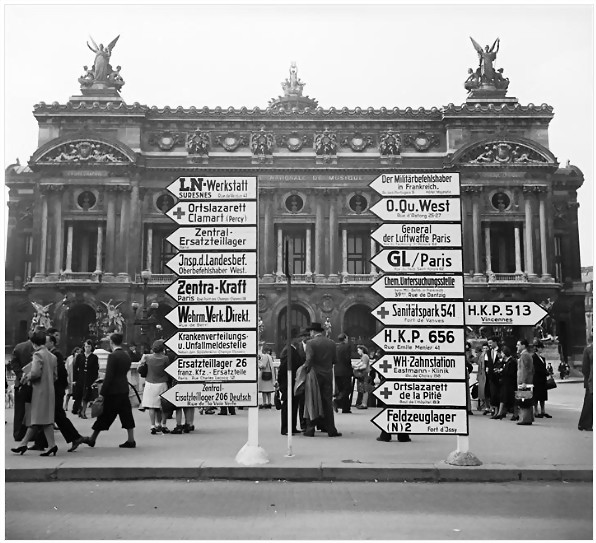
{"type": "Point", "coordinates": [217, 291]}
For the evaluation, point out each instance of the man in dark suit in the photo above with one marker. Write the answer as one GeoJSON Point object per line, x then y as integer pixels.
{"type": "Point", "coordinates": [282, 381]}
{"type": "Point", "coordinates": [343, 375]}
{"type": "Point", "coordinates": [21, 356]}
{"type": "Point", "coordinates": [321, 355]}
{"type": "Point", "coordinates": [114, 393]}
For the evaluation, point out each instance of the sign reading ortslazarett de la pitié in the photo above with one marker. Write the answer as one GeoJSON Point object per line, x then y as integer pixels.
{"type": "Point", "coordinates": [216, 289]}
{"type": "Point", "coordinates": [423, 369]}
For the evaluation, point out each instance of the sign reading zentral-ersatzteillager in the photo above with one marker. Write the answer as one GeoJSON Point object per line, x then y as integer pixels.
{"type": "Point", "coordinates": [424, 386]}
{"type": "Point", "coordinates": [216, 291]}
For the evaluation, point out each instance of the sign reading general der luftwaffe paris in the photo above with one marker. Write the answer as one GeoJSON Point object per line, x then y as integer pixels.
{"type": "Point", "coordinates": [216, 292]}
{"type": "Point", "coordinates": [424, 385]}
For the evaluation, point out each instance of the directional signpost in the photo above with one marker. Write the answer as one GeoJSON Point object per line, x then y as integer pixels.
{"type": "Point", "coordinates": [504, 313]}
{"type": "Point", "coordinates": [424, 385]}
{"type": "Point", "coordinates": [216, 289]}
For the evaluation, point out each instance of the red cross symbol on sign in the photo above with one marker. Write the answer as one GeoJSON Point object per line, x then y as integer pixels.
{"type": "Point", "coordinates": [382, 312]}
{"type": "Point", "coordinates": [179, 213]}
{"type": "Point", "coordinates": [385, 393]}
{"type": "Point", "coordinates": [385, 366]}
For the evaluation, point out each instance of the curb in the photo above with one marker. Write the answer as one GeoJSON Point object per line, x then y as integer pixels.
{"type": "Point", "coordinates": [432, 473]}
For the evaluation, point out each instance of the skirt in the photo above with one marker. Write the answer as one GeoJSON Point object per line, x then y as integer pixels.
{"type": "Point", "coordinates": [151, 394]}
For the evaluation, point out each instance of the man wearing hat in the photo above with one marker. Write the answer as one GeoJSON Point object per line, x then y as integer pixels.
{"type": "Point", "coordinates": [321, 355]}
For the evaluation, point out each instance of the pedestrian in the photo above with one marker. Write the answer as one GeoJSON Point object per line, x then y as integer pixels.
{"type": "Point", "coordinates": [21, 357]}
{"type": "Point", "coordinates": [70, 372]}
{"type": "Point", "coordinates": [481, 378]}
{"type": "Point", "coordinates": [508, 384]}
{"type": "Point", "coordinates": [540, 377]}
{"type": "Point", "coordinates": [114, 393]}
{"type": "Point", "coordinates": [469, 369]}
{"type": "Point", "coordinates": [550, 370]}
{"type": "Point", "coordinates": [135, 355]}
{"type": "Point", "coordinates": [525, 376]}
{"type": "Point", "coordinates": [282, 383]}
{"type": "Point", "coordinates": [40, 374]}
{"type": "Point", "coordinates": [266, 381]}
{"type": "Point", "coordinates": [343, 375]}
{"type": "Point", "coordinates": [156, 383]}
{"type": "Point", "coordinates": [321, 356]}
{"type": "Point", "coordinates": [485, 369]}
{"type": "Point", "coordinates": [85, 373]}
{"type": "Point", "coordinates": [362, 373]}
{"type": "Point", "coordinates": [586, 417]}
{"type": "Point", "coordinates": [494, 367]}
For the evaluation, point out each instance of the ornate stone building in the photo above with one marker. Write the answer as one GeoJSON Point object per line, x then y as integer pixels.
{"type": "Point", "coordinates": [86, 213]}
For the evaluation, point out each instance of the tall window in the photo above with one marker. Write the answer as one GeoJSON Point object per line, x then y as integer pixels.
{"type": "Point", "coordinates": [84, 247]}
{"type": "Point", "coordinates": [297, 251]}
{"type": "Point", "coordinates": [28, 258]}
{"type": "Point", "coordinates": [163, 250]}
{"type": "Point", "coordinates": [358, 253]}
{"type": "Point", "coordinates": [558, 260]}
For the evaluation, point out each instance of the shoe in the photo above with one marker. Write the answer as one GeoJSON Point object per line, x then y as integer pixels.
{"type": "Point", "coordinates": [524, 423]}
{"type": "Point", "coordinates": [155, 431]}
{"type": "Point", "coordinates": [20, 450]}
{"type": "Point", "coordinates": [164, 429]}
{"type": "Point", "coordinates": [177, 430]}
{"type": "Point", "coordinates": [51, 451]}
{"type": "Point", "coordinates": [538, 416]}
{"type": "Point", "coordinates": [76, 443]}
{"type": "Point", "coordinates": [128, 445]}
{"type": "Point", "coordinates": [309, 433]}
{"type": "Point", "coordinates": [500, 417]}
{"type": "Point", "coordinates": [361, 407]}
{"type": "Point", "coordinates": [493, 417]}
{"type": "Point", "coordinates": [335, 434]}
{"type": "Point", "coordinates": [186, 428]}
{"type": "Point", "coordinates": [56, 429]}
{"type": "Point", "coordinates": [89, 441]}
{"type": "Point", "coordinates": [83, 415]}
{"type": "Point", "coordinates": [224, 414]}
{"type": "Point", "coordinates": [335, 406]}
{"type": "Point", "coordinates": [386, 440]}
{"type": "Point", "coordinates": [36, 448]}
{"type": "Point", "coordinates": [260, 407]}
{"type": "Point", "coordinates": [346, 412]}
{"type": "Point", "coordinates": [547, 416]}
{"type": "Point", "coordinates": [514, 418]}
{"type": "Point", "coordinates": [486, 413]}
{"type": "Point", "coordinates": [470, 412]}
{"type": "Point", "coordinates": [141, 409]}
{"type": "Point", "coordinates": [404, 439]}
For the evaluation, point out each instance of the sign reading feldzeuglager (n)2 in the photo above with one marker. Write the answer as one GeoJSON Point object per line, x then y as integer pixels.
{"type": "Point", "coordinates": [424, 312]}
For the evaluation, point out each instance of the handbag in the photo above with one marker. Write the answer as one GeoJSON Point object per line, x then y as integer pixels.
{"type": "Point", "coordinates": [474, 391]}
{"type": "Point", "coordinates": [550, 383]}
{"type": "Point", "coordinates": [26, 392]}
{"type": "Point", "coordinates": [143, 369]}
{"type": "Point", "coordinates": [97, 408]}
{"type": "Point", "coordinates": [277, 400]}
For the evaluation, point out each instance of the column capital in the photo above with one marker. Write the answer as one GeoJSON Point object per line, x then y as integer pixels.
{"type": "Point", "coordinates": [267, 191]}
{"type": "Point", "coordinates": [56, 189]}
{"type": "Point", "coordinates": [530, 189]}
{"type": "Point", "coordinates": [472, 189]}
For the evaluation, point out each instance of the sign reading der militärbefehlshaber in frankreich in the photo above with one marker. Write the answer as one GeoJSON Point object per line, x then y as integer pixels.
{"type": "Point", "coordinates": [216, 291]}
{"type": "Point", "coordinates": [423, 369]}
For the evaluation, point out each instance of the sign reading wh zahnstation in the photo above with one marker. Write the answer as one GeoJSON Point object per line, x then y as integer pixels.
{"type": "Point", "coordinates": [217, 289]}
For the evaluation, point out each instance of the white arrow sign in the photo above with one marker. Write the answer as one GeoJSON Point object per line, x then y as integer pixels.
{"type": "Point", "coordinates": [212, 395]}
{"type": "Point", "coordinates": [209, 238]}
{"type": "Point", "coordinates": [213, 317]}
{"type": "Point", "coordinates": [420, 313]}
{"type": "Point", "coordinates": [214, 213]}
{"type": "Point", "coordinates": [413, 260]}
{"type": "Point", "coordinates": [504, 313]}
{"type": "Point", "coordinates": [417, 209]}
{"type": "Point", "coordinates": [421, 366]}
{"type": "Point", "coordinates": [214, 368]}
{"type": "Point", "coordinates": [422, 421]}
{"type": "Point", "coordinates": [428, 340]}
{"type": "Point", "coordinates": [214, 188]}
{"type": "Point", "coordinates": [213, 342]}
{"type": "Point", "coordinates": [428, 394]}
{"type": "Point", "coordinates": [393, 287]}
{"type": "Point", "coordinates": [222, 264]}
{"type": "Point", "coordinates": [418, 235]}
{"type": "Point", "coordinates": [421, 184]}
{"type": "Point", "coordinates": [209, 289]}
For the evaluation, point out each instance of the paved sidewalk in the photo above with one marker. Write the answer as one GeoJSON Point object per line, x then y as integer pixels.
{"type": "Point", "coordinates": [550, 449]}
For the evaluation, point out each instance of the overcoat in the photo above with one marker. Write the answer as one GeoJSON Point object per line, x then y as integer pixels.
{"type": "Point", "coordinates": [44, 371]}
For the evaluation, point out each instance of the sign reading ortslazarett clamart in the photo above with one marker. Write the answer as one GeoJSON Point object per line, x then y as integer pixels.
{"type": "Point", "coordinates": [216, 289]}
{"type": "Point", "coordinates": [423, 369]}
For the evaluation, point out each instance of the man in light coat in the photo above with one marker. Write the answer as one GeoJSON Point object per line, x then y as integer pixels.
{"type": "Point", "coordinates": [525, 369]}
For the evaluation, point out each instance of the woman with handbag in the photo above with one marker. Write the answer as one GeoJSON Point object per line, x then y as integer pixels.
{"type": "Point", "coordinates": [266, 382]}
{"type": "Point", "coordinates": [540, 379]}
{"type": "Point", "coordinates": [153, 369]}
{"type": "Point", "coordinates": [362, 374]}
{"type": "Point", "coordinates": [41, 374]}
{"type": "Point", "coordinates": [508, 385]}
{"type": "Point", "coordinates": [85, 372]}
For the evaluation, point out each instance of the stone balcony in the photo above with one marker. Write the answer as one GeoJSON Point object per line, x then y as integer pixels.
{"type": "Point", "coordinates": [157, 279]}
{"type": "Point", "coordinates": [507, 279]}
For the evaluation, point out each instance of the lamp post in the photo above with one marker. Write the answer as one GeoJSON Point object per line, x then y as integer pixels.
{"type": "Point", "coordinates": [147, 320]}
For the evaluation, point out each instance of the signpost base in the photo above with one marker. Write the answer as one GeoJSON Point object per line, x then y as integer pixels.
{"type": "Point", "coordinates": [251, 454]}
{"type": "Point", "coordinates": [462, 456]}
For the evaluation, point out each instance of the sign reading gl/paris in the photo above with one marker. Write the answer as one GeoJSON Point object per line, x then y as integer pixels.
{"type": "Point", "coordinates": [419, 260]}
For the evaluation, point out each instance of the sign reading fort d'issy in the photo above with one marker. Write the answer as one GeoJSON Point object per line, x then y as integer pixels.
{"type": "Point", "coordinates": [423, 312]}
{"type": "Point", "coordinates": [216, 291]}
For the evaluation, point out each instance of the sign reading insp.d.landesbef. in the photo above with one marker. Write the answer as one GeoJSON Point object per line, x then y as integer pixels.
{"type": "Point", "coordinates": [213, 263]}
{"type": "Point", "coordinates": [412, 184]}
{"type": "Point", "coordinates": [214, 188]}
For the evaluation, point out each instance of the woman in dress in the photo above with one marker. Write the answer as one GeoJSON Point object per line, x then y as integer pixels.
{"type": "Point", "coordinates": [540, 377]}
{"type": "Point", "coordinates": [362, 374]}
{"type": "Point", "coordinates": [156, 383]}
{"type": "Point", "coordinates": [85, 373]}
{"type": "Point", "coordinates": [266, 383]}
{"type": "Point", "coordinates": [70, 370]}
{"type": "Point", "coordinates": [508, 385]}
{"type": "Point", "coordinates": [41, 374]}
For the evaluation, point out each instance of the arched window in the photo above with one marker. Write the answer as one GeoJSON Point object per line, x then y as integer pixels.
{"type": "Point", "coordinates": [299, 320]}
{"type": "Point", "coordinates": [359, 325]}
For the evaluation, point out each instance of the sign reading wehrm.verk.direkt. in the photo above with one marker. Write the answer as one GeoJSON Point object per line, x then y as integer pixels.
{"type": "Point", "coordinates": [424, 386]}
{"type": "Point", "coordinates": [216, 292]}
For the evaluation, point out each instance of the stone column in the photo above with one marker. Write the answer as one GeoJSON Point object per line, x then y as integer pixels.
{"type": "Point", "coordinates": [135, 228]}
{"type": "Point", "coordinates": [85, 253]}
{"type": "Point", "coordinates": [528, 191]}
{"type": "Point", "coordinates": [69, 249]}
{"type": "Point", "coordinates": [319, 235]}
{"type": "Point", "coordinates": [99, 249]}
{"type": "Point", "coordinates": [122, 265]}
{"type": "Point", "coordinates": [373, 250]}
{"type": "Point", "coordinates": [280, 251]}
{"type": "Point", "coordinates": [149, 262]}
{"type": "Point", "coordinates": [58, 191]}
{"type": "Point", "coordinates": [110, 231]}
{"type": "Point", "coordinates": [333, 196]}
{"type": "Point", "coordinates": [542, 193]}
{"type": "Point", "coordinates": [344, 252]}
{"type": "Point", "coordinates": [467, 247]}
{"type": "Point", "coordinates": [308, 251]}
{"type": "Point", "coordinates": [265, 250]}
{"type": "Point", "coordinates": [43, 253]}
{"type": "Point", "coordinates": [487, 249]}
{"type": "Point", "coordinates": [518, 264]}
{"type": "Point", "coordinates": [573, 269]}
{"type": "Point", "coordinates": [15, 245]}
{"type": "Point", "coordinates": [476, 229]}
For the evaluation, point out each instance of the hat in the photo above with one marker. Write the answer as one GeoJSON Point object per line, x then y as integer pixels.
{"type": "Point", "coordinates": [316, 326]}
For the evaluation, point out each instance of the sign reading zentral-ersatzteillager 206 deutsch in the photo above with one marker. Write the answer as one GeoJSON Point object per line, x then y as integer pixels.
{"type": "Point", "coordinates": [216, 292]}
{"type": "Point", "coordinates": [424, 386]}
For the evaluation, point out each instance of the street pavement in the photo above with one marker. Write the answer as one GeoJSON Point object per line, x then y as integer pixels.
{"type": "Point", "coordinates": [552, 447]}
{"type": "Point", "coordinates": [280, 510]}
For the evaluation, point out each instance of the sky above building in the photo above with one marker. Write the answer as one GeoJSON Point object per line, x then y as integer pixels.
{"type": "Point", "coordinates": [348, 55]}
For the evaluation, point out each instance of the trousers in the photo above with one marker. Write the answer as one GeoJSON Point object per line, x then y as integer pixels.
{"type": "Point", "coordinates": [66, 427]}
{"type": "Point", "coordinates": [326, 389]}
{"type": "Point", "coordinates": [19, 429]}
{"type": "Point", "coordinates": [587, 414]}
{"type": "Point", "coordinates": [296, 405]}
{"type": "Point", "coordinates": [343, 386]}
